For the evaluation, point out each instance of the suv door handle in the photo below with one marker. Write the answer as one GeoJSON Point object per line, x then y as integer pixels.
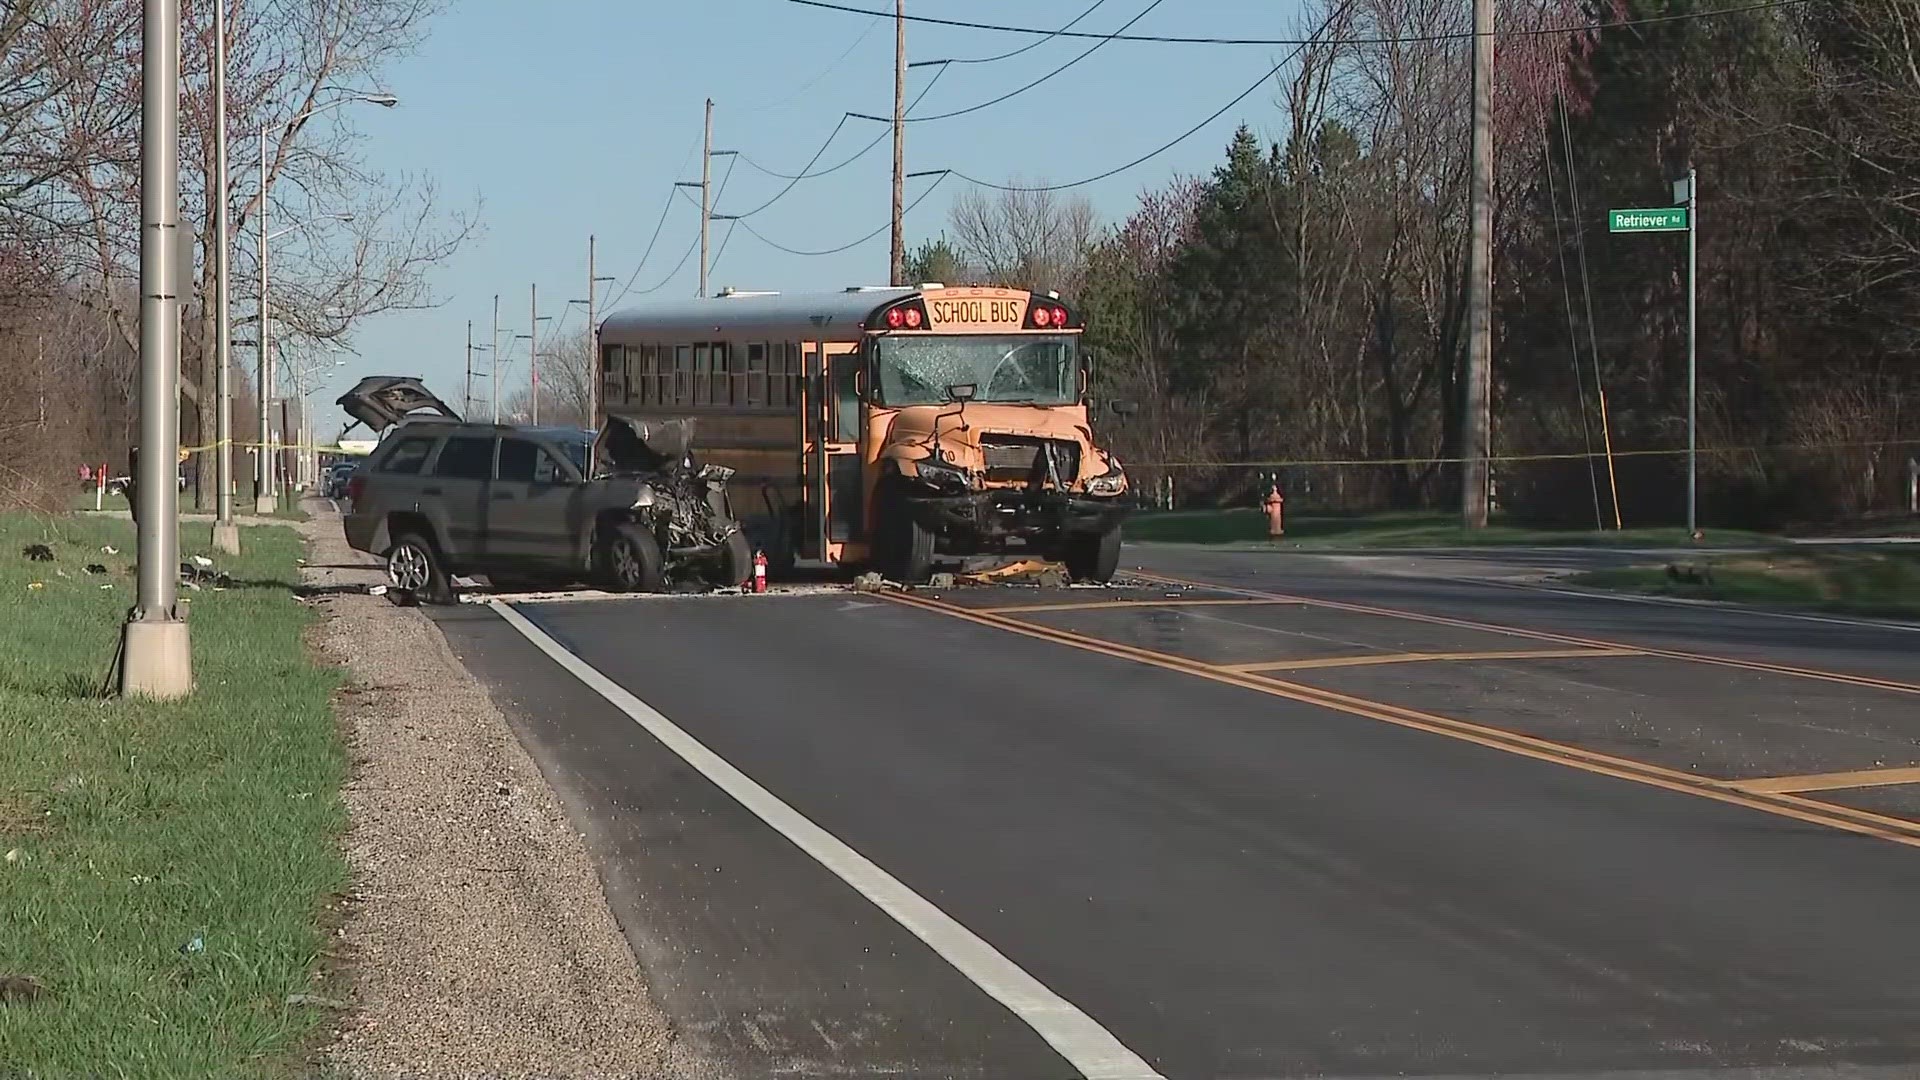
{"type": "Point", "coordinates": [503, 495]}
{"type": "Point", "coordinates": [430, 491]}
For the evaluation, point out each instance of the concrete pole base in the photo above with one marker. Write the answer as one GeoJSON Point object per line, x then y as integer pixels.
{"type": "Point", "coordinates": [155, 660]}
{"type": "Point", "coordinates": [264, 505]}
{"type": "Point", "coordinates": [226, 537]}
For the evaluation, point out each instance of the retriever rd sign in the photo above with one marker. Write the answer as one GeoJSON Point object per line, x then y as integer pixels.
{"type": "Point", "coordinates": [1663, 219]}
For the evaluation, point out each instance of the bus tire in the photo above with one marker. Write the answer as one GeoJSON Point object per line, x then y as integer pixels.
{"type": "Point", "coordinates": [734, 565]}
{"type": "Point", "coordinates": [903, 547]}
{"type": "Point", "coordinates": [628, 559]}
{"type": "Point", "coordinates": [1093, 557]}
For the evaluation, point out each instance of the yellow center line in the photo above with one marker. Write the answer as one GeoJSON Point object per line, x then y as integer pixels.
{"type": "Point", "coordinates": [1417, 657]}
{"type": "Point", "coordinates": [1099, 605]}
{"type": "Point", "coordinates": [1833, 781]}
{"type": "Point", "coordinates": [1834, 816]}
{"type": "Point", "coordinates": [1547, 635]}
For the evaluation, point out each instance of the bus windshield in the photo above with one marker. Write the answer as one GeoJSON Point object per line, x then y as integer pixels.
{"type": "Point", "coordinates": [1035, 368]}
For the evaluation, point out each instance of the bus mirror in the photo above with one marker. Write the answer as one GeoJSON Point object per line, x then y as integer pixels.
{"type": "Point", "coordinates": [1125, 408]}
{"type": "Point", "coordinates": [962, 391]}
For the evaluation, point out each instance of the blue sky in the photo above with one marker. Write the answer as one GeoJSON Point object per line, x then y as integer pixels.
{"type": "Point", "coordinates": [571, 118]}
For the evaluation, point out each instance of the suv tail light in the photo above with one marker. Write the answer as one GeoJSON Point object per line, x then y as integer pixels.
{"type": "Point", "coordinates": [355, 485]}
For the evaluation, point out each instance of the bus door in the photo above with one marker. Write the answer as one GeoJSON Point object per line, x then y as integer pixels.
{"type": "Point", "coordinates": [834, 506]}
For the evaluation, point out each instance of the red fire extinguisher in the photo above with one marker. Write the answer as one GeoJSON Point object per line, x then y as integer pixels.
{"type": "Point", "coordinates": [759, 571]}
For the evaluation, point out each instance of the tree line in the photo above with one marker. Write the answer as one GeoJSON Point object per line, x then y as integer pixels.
{"type": "Point", "coordinates": [1304, 302]}
{"type": "Point", "coordinates": [346, 241]}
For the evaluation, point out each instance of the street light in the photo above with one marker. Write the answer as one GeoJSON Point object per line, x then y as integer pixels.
{"type": "Point", "coordinates": [263, 496]}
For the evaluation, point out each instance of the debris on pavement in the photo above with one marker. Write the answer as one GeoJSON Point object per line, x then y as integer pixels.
{"type": "Point", "coordinates": [940, 581]}
{"type": "Point", "coordinates": [1023, 572]}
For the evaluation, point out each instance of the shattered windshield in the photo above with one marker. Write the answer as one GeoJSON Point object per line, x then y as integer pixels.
{"type": "Point", "coordinates": [1040, 369]}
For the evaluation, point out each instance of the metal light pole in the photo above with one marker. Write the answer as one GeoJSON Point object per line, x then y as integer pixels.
{"type": "Point", "coordinates": [226, 533]}
{"type": "Point", "coordinates": [493, 362]}
{"type": "Point", "coordinates": [155, 658]}
{"type": "Point", "coordinates": [533, 345]}
{"type": "Point", "coordinates": [466, 403]}
{"type": "Point", "coordinates": [897, 265]}
{"type": "Point", "coordinates": [706, 195]}
{"type": "Point", "coordinates": [263, 500]}
{"type": "Point", "coordinates": [1688, 192]}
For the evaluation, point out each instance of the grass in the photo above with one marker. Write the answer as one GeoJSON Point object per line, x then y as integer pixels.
{"type": "Point", "coordinates": [137, 829]}
{"type": "Point", "coordinates": [1859, 582]}
{"type": "Point", "coordinates": [1399, 529]}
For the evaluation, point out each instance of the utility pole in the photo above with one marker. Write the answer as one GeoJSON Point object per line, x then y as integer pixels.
{"type": "Point", "coordinates": [493, 362]}
{"type": "Point", "coordinates": [226, 533]}
{"type": "Point", "coordinates": [897, 272]}
{"type": "Point", "coordinates": [466, 404]}
{"type": "Point", "coordinates": [263, 499]}
{"type": "Point", "coordinates": [1477, 421]}
{"type": "Point", "coordinates": [706, 195]}
{"type": "Point", "coordinates": [155, 660]}
{"type": "Point", "coordinates": [533, 345]}
{"type": "Point", "coordinates": [1688, 191]}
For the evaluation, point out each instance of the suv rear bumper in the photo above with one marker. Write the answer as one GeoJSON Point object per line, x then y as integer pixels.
{"type": "Point", "coordinates": [366, 532]}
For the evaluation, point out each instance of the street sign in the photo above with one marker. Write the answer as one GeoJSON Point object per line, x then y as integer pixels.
{"type": "Point", "coordinates": [1661, 219]}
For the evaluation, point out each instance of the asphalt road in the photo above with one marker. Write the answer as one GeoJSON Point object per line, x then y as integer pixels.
{"type": "Point", "coordinates": [1270, 874]}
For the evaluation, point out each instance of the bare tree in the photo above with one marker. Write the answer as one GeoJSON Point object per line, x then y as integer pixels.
{"type": "Point", "coordinates": [566, 374]}
{"type": "Point", "coordinates": [1024, 238]}
{"type": "Point", "coordinates": [357, 243]}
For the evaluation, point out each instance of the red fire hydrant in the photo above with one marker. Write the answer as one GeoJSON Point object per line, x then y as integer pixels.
{"type": "Point", "coordinates": [759, 571]}
{"type": "Point", "coordinates": [1275, 504]}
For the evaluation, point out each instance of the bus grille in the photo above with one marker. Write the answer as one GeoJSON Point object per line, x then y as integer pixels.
{"type": "Point", "coordinates": [1017, 457]}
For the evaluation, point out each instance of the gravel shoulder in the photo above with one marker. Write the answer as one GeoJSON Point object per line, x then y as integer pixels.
{"type": "Point", "coordinates": [476, 939]}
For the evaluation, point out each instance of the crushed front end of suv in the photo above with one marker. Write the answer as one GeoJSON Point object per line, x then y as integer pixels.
{"type": "Point", "coordinates": [628, 509]}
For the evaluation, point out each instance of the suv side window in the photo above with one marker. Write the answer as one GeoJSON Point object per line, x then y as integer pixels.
{"type": "Point", "coordinates": [518, 460]}
{"type": "Point", "coordinates": [408, 455]}
{"type": "Point", "coordinates": [465, 457]}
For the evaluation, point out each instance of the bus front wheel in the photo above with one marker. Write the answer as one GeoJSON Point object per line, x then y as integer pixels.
{"type": "Point", "coordinates": [903, 548]}
{"type": "Point", "coordinates": [1093, 556]}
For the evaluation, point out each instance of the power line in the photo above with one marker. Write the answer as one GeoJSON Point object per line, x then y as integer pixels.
{"type": "Point", "coordinates": [1178, 139]}
{"type": "Point", "coordinates": [856, 243]}
{"type": "Point", "coordinates": [824, 72]}
{"type": "Point", "coordinates": [658, 225]}
{"type": "Point", "coordinates": [1765, 5]}
{"type": "Point", "coordinates": [803, 174]}
{"type": "Point", "coordinates": [793, 181]}
{"type": "Point", "coordinates": [1095, 47]}
{"type": "Point", "coordinates": [1036, 43]}
{"type": "Point", "coordinates": [691, 248]}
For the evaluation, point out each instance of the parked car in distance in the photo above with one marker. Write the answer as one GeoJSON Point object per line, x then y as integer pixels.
{"type": "Point", "coordinates": [338, 473]}
{"type": "Point", "coordinates": [440, 497]}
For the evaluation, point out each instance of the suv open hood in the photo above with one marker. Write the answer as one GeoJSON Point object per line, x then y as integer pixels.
{"type": "Point", "coordinates": [381, 401]}
{"type": "Point", "coordinates": [630, 445]}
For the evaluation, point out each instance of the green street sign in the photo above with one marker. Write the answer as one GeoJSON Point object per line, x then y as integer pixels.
{"type": "Point", "coordinates": [1662, 219]}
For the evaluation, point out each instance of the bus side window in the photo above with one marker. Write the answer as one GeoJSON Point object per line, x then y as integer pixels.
{"type": "Point", "coordinates": [846, 395]}
{"type": "Point", "coordinates": [722, 375]}
{"type": "Point", "coordinates": [792, 372]}
{"type": "Point", "coordinates": [639, 374]}
{"type": "Point", "coordinates": [752, 387]}
{"type": "Point", "coordinates": [682, 374]}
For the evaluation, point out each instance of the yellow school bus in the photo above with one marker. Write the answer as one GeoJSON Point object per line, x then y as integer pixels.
{"type": "Point", "coordinates": [884, 427]}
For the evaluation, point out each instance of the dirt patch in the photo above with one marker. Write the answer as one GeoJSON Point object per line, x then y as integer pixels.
{"type": "Point", "coordinates": [476, 940]}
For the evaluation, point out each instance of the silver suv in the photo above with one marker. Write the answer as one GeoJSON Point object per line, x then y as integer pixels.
{"type": "Point", "coordinates": [523, 506]}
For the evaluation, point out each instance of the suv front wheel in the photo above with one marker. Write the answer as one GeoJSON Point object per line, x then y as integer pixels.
{"type": "Point", "coordinates": [629, 560]}
{"type": "Point", "coordinates": [414, 567]}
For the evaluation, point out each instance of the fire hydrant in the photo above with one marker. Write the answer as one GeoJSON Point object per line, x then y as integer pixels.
{"type": "Point", "coordinates": [1275, 504]}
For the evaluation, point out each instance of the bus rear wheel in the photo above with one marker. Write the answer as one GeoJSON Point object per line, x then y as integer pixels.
{"type": "Point", "coordinates": [903, 548]}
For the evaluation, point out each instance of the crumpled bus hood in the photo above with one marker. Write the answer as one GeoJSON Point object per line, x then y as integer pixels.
{"type": "Point", "coordinates": [945, 423]}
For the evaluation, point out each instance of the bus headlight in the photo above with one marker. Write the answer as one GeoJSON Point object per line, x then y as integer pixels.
{"type": "Point", "coordinates": [1110, 483]}
{"type": "Point", "coordinates": [941, 476]}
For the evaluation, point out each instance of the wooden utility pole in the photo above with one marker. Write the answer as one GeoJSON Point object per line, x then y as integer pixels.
{"type": "Point", "coordinates": [533, 345]}
{"type": "Point", "coordinates": [897, 274]}
{"type": "Point", "coordinates": [1476, 424]}
{"type": "Point", "coordinates": [493, 362]}
{"type": "Point", "coordinates": [706, 195]}
{"type": "Point", "coordinates": [466, 406]}
{"type": "Point", "coordinates": [593, 343]}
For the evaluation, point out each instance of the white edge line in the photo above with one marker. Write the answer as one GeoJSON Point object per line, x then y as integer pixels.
{"type": "Point", "coordinates": [1077, 1037]}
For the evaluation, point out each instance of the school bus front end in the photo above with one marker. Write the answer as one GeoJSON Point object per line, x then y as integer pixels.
{"type": "Point", "coordinates": [979, 439]}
